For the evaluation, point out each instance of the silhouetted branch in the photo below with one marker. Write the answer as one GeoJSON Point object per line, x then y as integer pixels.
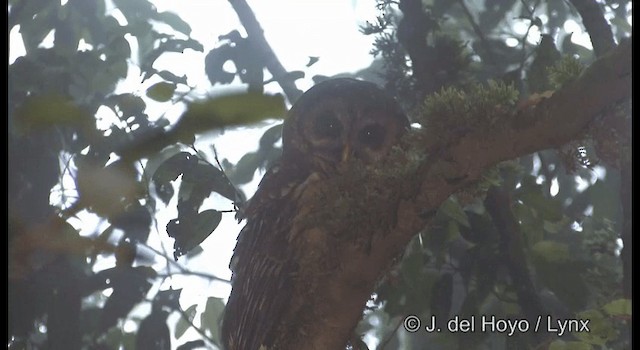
{"type": "Point", "coordinates": [479, 33]}
{"type": "Point", "coordinates": [412, 34]}
{"type": "Point", "coordinates": [596, 25]}
{"type": "Point", "coordinates": [498, 205]}
{"type": "Point", "coordinates": [256, 36]}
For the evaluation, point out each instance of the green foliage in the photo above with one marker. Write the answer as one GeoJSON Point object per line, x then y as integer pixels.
{"type": "Point", "coordinates": [47, 111]}
{"type": "Point", "coordinates": [546, 55]}
{"type": "Point", "coordinates": [564, 71]}
{"type": "Point", "coordinates": [230, 110]}
{"type": "Point", "coordinates": [185, 322]}
{"type": "Point", "coordinates": [189, 234]}
{"type": "Point", "coordinates": [240, 51]}
{"type": "Point", "coordinates": [478, 107]}
{"type": "Point", "coordinates": [243, 171]}
{"type": "Point", "coordinates": [161, 92]}
{"type": "Point", "coordinates": [199, 180]}
{"type": "Point", "coordinates": [211, 316]}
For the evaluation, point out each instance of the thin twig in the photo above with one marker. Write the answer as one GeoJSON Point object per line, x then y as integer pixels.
{"type": "Point", "coordinates": [476, 28]}
{"type": "Point", "coordinates": [523, 41]}
{"type": "Point", "coordinates": [198, 329]}
{"type": "Point", "coordinates": [184, 270]}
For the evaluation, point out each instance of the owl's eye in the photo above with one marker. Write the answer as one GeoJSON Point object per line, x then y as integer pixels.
{"type": "Point", "coordinates": [327, 125]}
{"type": "Point", "coordinates": [372, 136]}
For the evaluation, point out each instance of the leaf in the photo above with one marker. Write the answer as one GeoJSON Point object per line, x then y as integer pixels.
{"type": "Point", "coordinates": [564, 277]}
{"type": "Point", "coordinates": [214, 64]}
{"type": "Point", "coordinates": [161, 92]}
{"type": "Point", "coordinates": [190, 233]}
{"type": "Point", "coordinates": [174, 21]}
{"type": "Point", "coordinates": [39, 26]}
{"type": "Point", "coordinates": [216, 181]}
{"type": "Point", "coordinates": [173, 167]}
{"type": "Point", "coordinates": [182, 325]}
{"type": "Point", "coordinates": [135, 9]}
{"type": "Point", "coordinates": [107, 190]}
{"type": "Point", "coordinates": [153, 332]}
{"type": "Point", "coordinates": [190, 345]}
{"type": "Point", "coordinates": [452, 209]}
{"type": "Point", "coordinates": [618, 307]}
{"type": "Point", "coordinates": [531, 226]}
{"type": "Point", "coordinates": [211, 316]}
{"type": "Point", "coordinates": [169, 171]}
{"type": "Point", "coordinates": [168, 298]}
{"type": "Point", "coordinates": [130, 285]}
{"type": "Point", "coordinates": [168, 76]}
{"type": "Point", "coordinates": [312, 60]}
{"type": "Point", "coordinates": [119, 48]}
{"type": "Point", "coordinates": [245, 169]}
{"type": "Point", "coordinates": [556, 227]}
{"type": "Point", "coordinates": [601, 329]}
{"type": "Point", "coordinates": [230, 110]}
{"type": "Point", "coordinates": [621, 24]}
{"type": "Point", "coordinates": [66, 37]}
{"type": "Point", "coordinates": [178, 45]}
{"type": "Point", "coordinates": [135, 221]}
{"type": "Point", "coordinates": [128, 104]}
{"type": "Point", "coordinates": [271, 136]}
{"type": "Point", "coordinates": [547, 208]}
{"type": "Point", "coordinates": [453, 231]}
{"type": "Point", "coordinates": [38, 112]}
{"type": "Point", "coordinates": [551, 251]}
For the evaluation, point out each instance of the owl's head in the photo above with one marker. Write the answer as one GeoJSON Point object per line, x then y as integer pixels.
{"type": "Point", "coordinates": [342, 119]}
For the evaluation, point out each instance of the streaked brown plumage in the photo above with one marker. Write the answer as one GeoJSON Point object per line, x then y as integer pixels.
{"type": "Point", "coordinates": [334, 122]}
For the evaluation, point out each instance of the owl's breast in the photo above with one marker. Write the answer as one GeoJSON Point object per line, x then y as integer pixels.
{"type": "Point", "coordinates": [264, 262]}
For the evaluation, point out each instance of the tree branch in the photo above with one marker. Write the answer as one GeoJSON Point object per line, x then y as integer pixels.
{"type": "Point", "coordinates": [603, 40]}
{"type": "Point", "coordinates": [412, 34]}
{"type": "Point", "coordinates": [339, 266]}
{"type": "Point", "coordinates": [596, 25]}
{"type": "Point", "coordinates": [498, 205]}
{"type": "Point", "coordinates": [256, 36]}
{"type": "Point", "coordinates": [476, 28]}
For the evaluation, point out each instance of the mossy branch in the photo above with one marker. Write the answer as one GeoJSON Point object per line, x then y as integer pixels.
{"type": "Point", "coordinates": [346, 273]}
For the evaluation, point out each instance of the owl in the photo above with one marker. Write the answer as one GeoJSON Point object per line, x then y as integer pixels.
{"type": "Point", "coordinates": [335, 122]}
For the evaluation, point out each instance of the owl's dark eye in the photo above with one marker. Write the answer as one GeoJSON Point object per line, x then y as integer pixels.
{"type": "Point", "coordinates": [372, 136]}
{"type": "Point", "coordinates": [328, 126]}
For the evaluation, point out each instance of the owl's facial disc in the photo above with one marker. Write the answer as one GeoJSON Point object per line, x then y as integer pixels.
{"type": "Point", "coordinates": [341, 120]}
{"type": "Point", "coordinates": [327, 133]}
{"type": "Point", "coordinates": [327, 126]}
{"type": "Point", "coordinates": [372, 136]}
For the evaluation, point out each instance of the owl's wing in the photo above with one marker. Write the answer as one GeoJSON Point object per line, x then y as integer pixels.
{"type": "Point", "coordinates": [262, 264]}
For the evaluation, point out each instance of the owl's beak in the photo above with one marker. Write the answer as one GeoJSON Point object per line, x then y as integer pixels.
{"type": "Point", "coordinates": [346, 153]}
